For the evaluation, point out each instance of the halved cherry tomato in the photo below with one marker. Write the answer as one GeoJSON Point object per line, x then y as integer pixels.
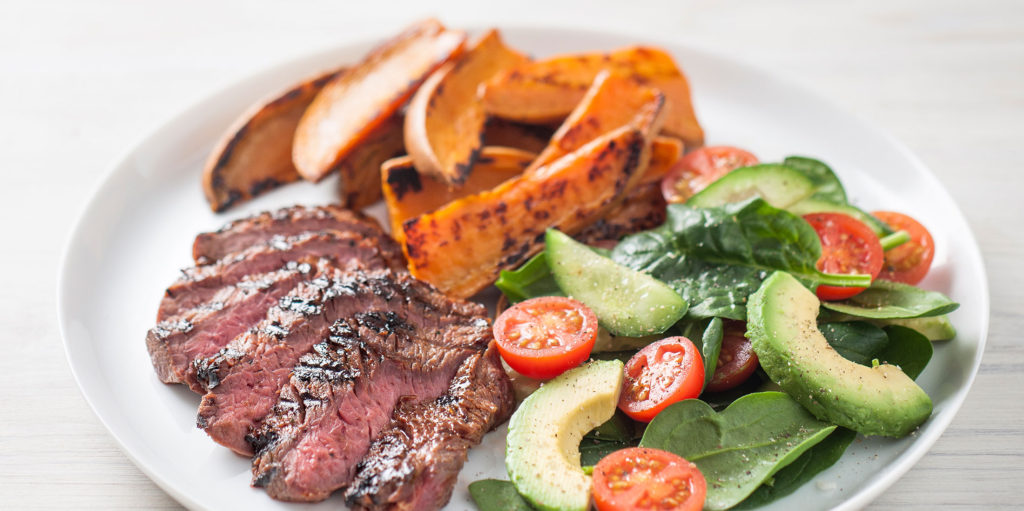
{"type": "Point", "coordinates": [543, 337]}
{"type": "Point", "coordinates": [701, 167]}
{"type": "Point", "coordinates": [660, 374]}
{"type": "Point", "coordinates": [645, 478]}
{"type": "Point", "coordinates": [737, 360]}
{"type": "Point", "coordinates": [847, 247]}
{"type": "Point", "coordinates": [909, 262]}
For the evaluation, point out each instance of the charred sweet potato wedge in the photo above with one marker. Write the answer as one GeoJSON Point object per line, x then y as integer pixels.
{"type": "Point", "coordinates": [255, 154]}
{"type": "Point", "coordinates": [409, 194]}
{"type": "Point", "coordinates": [528, 137]}
{"type": "Point", "coordinates": [547, 90]}
{"type": "Point", "coordinates": [610, 102]}
{"type": "Point", "coordinates": [359, 183]}
{"type": "Point", "coordinates": [665, 153]}
{"type": "Point", "coordinates": [641, 209]}
{"type": "Point", "coordinates": [462, 247]}
{"type": "Point", "coordinates": [444, 122]}
{"type": "Point", "coordinates": [354, 104]}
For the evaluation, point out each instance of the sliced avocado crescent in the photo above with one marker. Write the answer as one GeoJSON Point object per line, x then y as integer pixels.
{"type": "Point", "coordinates": [782, 328]}
{"type": "Point", "coordinates": [542, 452]}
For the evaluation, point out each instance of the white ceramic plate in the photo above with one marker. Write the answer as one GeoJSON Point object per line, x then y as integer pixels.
{"type": "Point", "coordinates": [137, 231]}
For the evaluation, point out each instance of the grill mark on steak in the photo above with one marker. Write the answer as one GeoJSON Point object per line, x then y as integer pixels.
{"type": "Point", "coordinates": [201, 331]}
{"type": "Point", "coordinates": [343, 394]}
{"type": "Point", "coordinates": [257, 229]}
{"type": "Point", "coordinates": [414, 463]}
{"type": "Point", "coordinates": [198, 284]}
{"type": "Point", "coordinates": [243, 378]}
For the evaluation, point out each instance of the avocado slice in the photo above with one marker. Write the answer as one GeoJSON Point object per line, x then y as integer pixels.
{"type": "Point", "coordinates": [542, 453]}
{"type": "Point", "coordinates": [783, 330]}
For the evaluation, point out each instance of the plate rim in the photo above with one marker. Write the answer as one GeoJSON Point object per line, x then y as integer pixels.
{"type": "Point", "coordinates": [918, 448]}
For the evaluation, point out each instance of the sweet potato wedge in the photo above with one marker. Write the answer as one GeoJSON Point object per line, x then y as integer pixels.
{"type": "Point", "coordinates": [359, 183]}
{"type": "Point", "coordinates": [665, 153]}
{"type": "Point", "coordinates": [445, 120]}
{"type": "Point", "coordinates": [462, 247]}
{"type": "Point", "coordinates": [610, 102]}
{"type": "Point", "coordinates": [409, 194]}
{"type": "Point", "coordinates": [528, 137]}
{"type": "Point", "coordinates": [547, 90]}
{"type": "Point", "coordinates": [641, 209]}
{"type": "Point", "coordinates": [355, 103]}
{"type": "Point", "coordinates": [255, 154]}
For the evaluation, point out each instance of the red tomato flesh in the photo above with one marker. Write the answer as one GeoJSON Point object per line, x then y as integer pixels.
{"type": "Point", "coordinates": [847, 247]}
{"type": "Point", "coordinates": [644, 478]}
{"type": "Point", "coordinates": [543, 337]}
{"type": "Point", "coordinates": [701, 167]}
{"type": "Point", "coordinates": [909, 262]}
{"type": "Point", "coordinates": [662, 373]}
{"type": "Point", "coordinates": [737, 360]}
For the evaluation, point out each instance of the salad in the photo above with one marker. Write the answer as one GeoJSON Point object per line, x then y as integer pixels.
{"type": "Point", "coordinates": [722, 359]}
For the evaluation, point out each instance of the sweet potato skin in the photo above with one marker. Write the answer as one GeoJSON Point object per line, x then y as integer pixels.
{"type": "Point", "coordinates": [547, 90]}
{"type": "Point", "coordinates": [528, 137]}
{"type": "Point", "coordinates": [356, 103]}
{"type": "Point", "coordinates": [444, 121]}
{"type": "Point", "coordinates": [255, 154]}
{"type": "Point", "coordinates": [462, 247]}
{"type": "Point", "coordinates": [409, 194]}
{"type": "Point", "coordinates": [359, 171]}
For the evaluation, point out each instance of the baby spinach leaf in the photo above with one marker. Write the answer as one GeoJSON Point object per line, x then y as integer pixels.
{"type": "Point", "coordinates": [741, 447]}
{"type": "Point", "coordinates": [856, 341]}
{"type": "Point", "coordinates": [829, 187]}
{"type": "Point", "coordinates": [531, 280]}
{"type": "Point", "coordinates": [809, 464]}
{"type": "Point", "coordinates": [497, 495]}
{"type": "Point", "coordinates": [908, 349]}
{"type": "Point", "coordinates": [592, 450]}
{"type": "Point", "coordinates": [890, 300]}
{"type": "Point", "coordinates": [716, 257]}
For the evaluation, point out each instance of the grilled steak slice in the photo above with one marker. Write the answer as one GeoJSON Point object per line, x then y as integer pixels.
{"type": "Point", "coordinates": [200, 332]}
{"type": "Point", "coordinates": [199, 283]}
{"type": "Point", "coordinates": [254, 230]}
{"type": "Point", "coordinates": [414, 463]}
{"type": "Point", "coordinates": [243, 378]}
{"type": "Point", "coordinates": [343, 394]}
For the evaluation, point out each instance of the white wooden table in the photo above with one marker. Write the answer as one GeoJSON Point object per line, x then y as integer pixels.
{"type": "Point", "coordinates": [80, 82]}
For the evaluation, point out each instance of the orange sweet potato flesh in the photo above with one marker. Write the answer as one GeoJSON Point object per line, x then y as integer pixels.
{"type": "Point", "coordinates": [255, 154]}
{"type": "Point", "coordinates": [665, 153]}
{"type": "Point", "coordinates": [528, 137]}
{"type": "Point", "coordinates": [547, 90]}
{"type": "Point", "coordinates": [445, 119]}
{"type": "Point", "coordinates": [359, 183]}
{"type": "Point", "coordinates": [409, 194]}
{"type": "Point", "coordinates": [356, 103]}
{"type": "Point", "coordinates": [610, 102]}
{"type": "Point", "coordinates": [462, 247]}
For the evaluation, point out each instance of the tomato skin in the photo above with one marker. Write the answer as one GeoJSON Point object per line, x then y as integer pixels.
{"type": "Point", "coordinates": [660, 374]}
{"type": "Point", "coordinates": [909, 262]}
{"type": "Point", "coordinates": [848, 246]}
{"type": "Point", "coordinates": [543, 337]}
{"type": "Point", "coordinates": [645, 478]}
{"type": "Point", "coordinates": [701, 167]}
{"type": "Point", "coordinates": [737, 360]}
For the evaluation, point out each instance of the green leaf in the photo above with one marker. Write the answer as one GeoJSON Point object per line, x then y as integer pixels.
{"type": "Point", "coordinates": [829, 187]}
{"type": "Point", "coordinates": [740, 448]}
{"type": "Point", "coordinates": [497, 495]}
{"type": "Point", "coordinates": [891, 300]}
{"type": "Point", "coordinates": [908, 349]}
{"type": "Point", "coordinates": [809, 464]}
{"type": "Point", "coordinates": [531, 280]}
{"type": "Point", "coordinates": [856, 341]}
{"type": "Point", "coordinates": [592, 450]}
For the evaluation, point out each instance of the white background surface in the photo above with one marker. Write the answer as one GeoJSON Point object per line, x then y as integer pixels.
{"type": "Point", "coordinates": [81, 82]}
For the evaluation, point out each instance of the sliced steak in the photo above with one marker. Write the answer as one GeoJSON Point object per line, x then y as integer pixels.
{"type": "Point", "coordinates": [198, 284]}
{"type": "Point", "coordinates": [201, 331]}
{"type": "Point", "coordinates": [244, 378]}
{"type": "Point", "coordinates": [414, 463]}
{"type": "Point", "coordinates": [343, 394]}
{"type": "Point", "coordinates": [257, 229]}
